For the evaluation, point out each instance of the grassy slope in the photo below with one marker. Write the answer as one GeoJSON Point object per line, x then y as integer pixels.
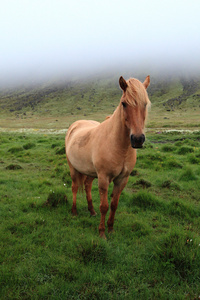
{"type": "Point", "coordinates": [175, 103]}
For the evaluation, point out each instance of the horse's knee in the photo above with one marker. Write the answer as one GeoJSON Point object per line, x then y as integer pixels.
{"type": "Point", "coordinates": [104, 208]}
{"type": "Point", "coordinates": [103, 190]}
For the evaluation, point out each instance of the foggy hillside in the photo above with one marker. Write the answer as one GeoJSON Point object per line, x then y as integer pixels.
{"type": "Point", "coordinates": [94, 94]}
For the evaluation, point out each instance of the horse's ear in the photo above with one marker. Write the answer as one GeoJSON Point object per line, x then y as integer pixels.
{"type": "Point", "coordinates": [123, 84]}
{"type": "Point", "coordinates": [146, 82]}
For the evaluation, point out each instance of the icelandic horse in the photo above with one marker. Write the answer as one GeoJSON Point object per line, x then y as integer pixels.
{"type": "Point", "coordinates": [107, 150]}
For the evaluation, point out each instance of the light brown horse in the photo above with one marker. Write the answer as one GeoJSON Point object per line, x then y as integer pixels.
{"type": "Point", "coordinates": [107, 150]}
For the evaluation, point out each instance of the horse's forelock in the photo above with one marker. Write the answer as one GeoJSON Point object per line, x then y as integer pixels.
{"type": "Point", "coordinates": [136, 93]}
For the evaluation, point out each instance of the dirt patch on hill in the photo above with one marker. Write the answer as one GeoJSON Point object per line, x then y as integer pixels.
{"type": "Point", "coordinates": [189, 89]}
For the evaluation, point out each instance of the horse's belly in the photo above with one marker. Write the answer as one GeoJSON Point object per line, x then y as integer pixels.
{"type": "Point", "coordinates": [81, 161]}
{"type": "Point", "coordinates": [83, 166]}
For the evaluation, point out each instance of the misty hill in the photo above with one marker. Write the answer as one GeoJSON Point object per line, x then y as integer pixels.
{"type": "Point", "coordinates": [94, 98]}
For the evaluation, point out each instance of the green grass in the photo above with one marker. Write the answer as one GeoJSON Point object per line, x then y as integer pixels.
{"type": "Point", "coordinates": [46, 253]}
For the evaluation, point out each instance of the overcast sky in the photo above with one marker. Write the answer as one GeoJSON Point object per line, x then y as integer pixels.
{"type": "Point", "coordinates": [51, 36]}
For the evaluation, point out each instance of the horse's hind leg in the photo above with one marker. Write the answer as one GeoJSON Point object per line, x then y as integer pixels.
{"type": "Point", "coordinates": [74, 192]}
{"type": "Point", "coordinates": [88, 187]}
{"type": "Point", "coordinates": [77, 183]}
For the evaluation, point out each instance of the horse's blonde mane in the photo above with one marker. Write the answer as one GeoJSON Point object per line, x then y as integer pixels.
{"type": "Point", "coordinates": [136, 93]}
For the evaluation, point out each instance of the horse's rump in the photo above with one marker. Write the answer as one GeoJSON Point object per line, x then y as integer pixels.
{"type": "Point", "coordinates": [78, 144]}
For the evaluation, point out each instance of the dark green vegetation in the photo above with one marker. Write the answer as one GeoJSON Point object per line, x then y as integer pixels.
{"type": "Point", "coordinates": [175, 102]}
{"type": "Point", "coordinates": [46, 253]}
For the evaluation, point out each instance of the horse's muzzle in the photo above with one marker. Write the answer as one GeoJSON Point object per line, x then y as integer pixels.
{"type": "Point", "coordinates": [137, 141]}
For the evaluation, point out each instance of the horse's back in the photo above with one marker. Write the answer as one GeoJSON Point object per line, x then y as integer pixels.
{"type": "Point", "coordinates": [79, 127]}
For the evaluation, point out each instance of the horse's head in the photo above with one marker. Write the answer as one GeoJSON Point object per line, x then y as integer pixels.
{"type": "Point", "coordinates": [134, 104]}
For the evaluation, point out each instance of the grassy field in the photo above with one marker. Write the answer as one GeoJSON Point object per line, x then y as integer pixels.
{"type": "Point", "coordinates": [46, 253]}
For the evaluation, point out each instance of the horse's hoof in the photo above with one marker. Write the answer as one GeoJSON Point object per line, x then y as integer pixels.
{"type": "Point", "coordinates": [102, 235]}
{"type": "Point", "coordinates": [74, 212]}
{"type": "Point", "coordinates": [93, 213]}
{"type": "Point", "coordinates": [110, 230]}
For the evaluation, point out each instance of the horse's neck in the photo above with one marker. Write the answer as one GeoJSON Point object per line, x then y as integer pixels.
{"type": "Point", "coordinates": [119, 132]}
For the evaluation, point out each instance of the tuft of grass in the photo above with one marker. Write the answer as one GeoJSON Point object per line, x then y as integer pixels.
{"type": "Point", "coordinates": [29, 146]}
{"type": "Point", "coordinates": [13, 167]}
{"type": "Point", "coordinates": [139, 229]}
{"type": "Point", "coordinates": [94, 251]}
{"type": "Point", "coordinates": [166, 183]}
{"type": "Point", "coordinates": [145, 200]}
{"type": "Point", "coordinates": [142, 182]}
{"type": "Point", "coordinates": [178, 251]}
{"type": "Point", "coordinates": [60, 151]}
{"type": "Point", "coordinates": [16, 149]}
{"type": "Point", "coordinates": [188, 174]}
{"type": "Point", "coordinates": [171, 163]}
{"type": "Point", "coordinates": [184, 210]}
{"type": "Point", "coordinates": [147, 145]}
{"type": "Point", "coordinates": [54, 145]}
{"type": "Point", "coordinates": [193, 159]}
{"type": "Point", "coordinates": [167, 148]}
{"type": "Point", "coordinates": [55, 198]}
{"type": "Point", "coordinates": [170, 184]}
{"type": "Point", "coordinates": [184, 150]}
{"type": "Point", "coordinates": [134, 172]}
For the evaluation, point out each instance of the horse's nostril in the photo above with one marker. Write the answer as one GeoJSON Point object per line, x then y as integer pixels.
{"type": "Point", "coordinates": [142, 138]}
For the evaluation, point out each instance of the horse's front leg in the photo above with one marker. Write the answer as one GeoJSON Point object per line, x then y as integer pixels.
{"type": "Point", "coordinates": [119, 185]}
{"type": "Point", "coordinates": [103, 192]}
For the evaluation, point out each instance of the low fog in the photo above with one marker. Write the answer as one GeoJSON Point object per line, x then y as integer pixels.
{"type": "Point", "coordinates": [50, 39]}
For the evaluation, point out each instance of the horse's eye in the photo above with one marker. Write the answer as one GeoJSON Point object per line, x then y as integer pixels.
{"type": "Point", "coordinates": [124, 104]}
